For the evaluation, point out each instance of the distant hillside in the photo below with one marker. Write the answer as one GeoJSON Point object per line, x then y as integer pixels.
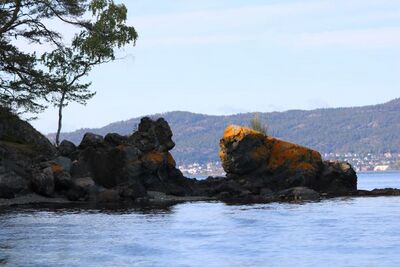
{"type": "Point", "coordinates": [373, 129]}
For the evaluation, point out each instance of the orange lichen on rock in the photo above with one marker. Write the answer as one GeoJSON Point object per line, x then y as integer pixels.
{"type": "Point", "coordinates": [292, 156]}
{"type": "Point", "coordinates": [238, 133]}
{"type": "Point", "coordinates": [154, 156]}
{"type": "Point", "coordinates": [56, 168]}
{"type": "Point", "coordinates": [244, 150]}
{"type": "Point", "coordinates": [159, 158]}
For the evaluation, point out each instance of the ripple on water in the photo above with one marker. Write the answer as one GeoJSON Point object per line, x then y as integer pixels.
{"type": "Point", "coordinates": [340, 232]}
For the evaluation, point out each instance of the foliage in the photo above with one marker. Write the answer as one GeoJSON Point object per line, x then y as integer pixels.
{"type": "Point", "coordinates": [257, 125]}
{"type": "Point", "coordinates": [27, 80]}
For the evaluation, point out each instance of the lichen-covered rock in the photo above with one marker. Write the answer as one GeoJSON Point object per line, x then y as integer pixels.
{"type": "Point", "coordinates": [259, 161]}
{"type": "Point", "coordinates": [141, 158]}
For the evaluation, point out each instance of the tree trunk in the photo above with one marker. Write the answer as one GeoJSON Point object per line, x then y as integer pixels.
{"type": "Point", "coordinates": [60, 107]}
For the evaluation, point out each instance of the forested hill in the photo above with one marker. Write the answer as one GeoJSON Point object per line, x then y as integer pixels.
{"type": "Point", "coordinates": [373, 129]}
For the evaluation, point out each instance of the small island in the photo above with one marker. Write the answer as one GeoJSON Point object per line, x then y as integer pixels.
{"type": "Point", "coordinates": [139, 169]}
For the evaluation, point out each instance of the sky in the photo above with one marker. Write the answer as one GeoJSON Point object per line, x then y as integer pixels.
{"type": "Point", "coordinates": [234, 56]}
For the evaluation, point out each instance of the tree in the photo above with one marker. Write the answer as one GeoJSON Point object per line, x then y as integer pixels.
{"type": "Point", "coordinates": [25, 83]}
{"type": "Point", "coordinates": [68, 65]}
{"type": "Point", "coordinates": [257, 125]}
{"type": "Point", "coordinates": [22, 82]}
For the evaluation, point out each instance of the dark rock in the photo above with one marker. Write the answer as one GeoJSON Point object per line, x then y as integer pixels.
{"type": "Point", "coordinates": [132, 154]}
{"type": "Point", "coordinates": [298, 194]}
{"type": "Point", "coordinates": [266, 192]}
{"type": "Point", "coordinates": [62, 181]}
{"type": "Point", "coordinates": [43, 182]}
{"type": "Point", "coordinates": [153, 135]}
{"type": "Point", "coordinates": [11, 184]}
{"type": "Point", "coordinates": [66, 148]}
{"type": "Point", "coordinates": [108, 196]}
{"type": "Point", "coordinates": [337, 178]}
{"type": "Point", "coordinates": [80, 169]}
{"type": "Point", "coordinates": [91, 140]}
{"type": "Point", "coordinates": [83, 189]}
{"type": "Point", "coordinates": [105, 164]}
{"type": "Point", "coordinates": [232, 187]}
{"type": "Point", "coordinates": [144, 156]}
{"type": "Point", "coordinates": [116, 139]}
{"type": "Point", "coordinates": [16, 132]}
{"type": "Point", "coordinates": [385, 192]}
{"type": "Point", "coordinates": [133, 191]}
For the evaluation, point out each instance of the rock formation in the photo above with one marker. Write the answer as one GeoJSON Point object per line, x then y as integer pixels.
{"type": "Point", "coordinates": [256, 162]}
{"type": "Point", "coordinates": [139, 168]}
{"type": "Point", "coordinates": [99, 169]}
{"type": "Point", "coordinates": [21, 147]}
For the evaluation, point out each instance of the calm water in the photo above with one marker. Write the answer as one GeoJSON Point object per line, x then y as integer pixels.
{"type": "Point", "coordinates": [341, 232]}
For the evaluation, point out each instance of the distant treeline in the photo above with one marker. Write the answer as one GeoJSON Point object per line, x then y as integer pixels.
{"type": "Point", "coordinates": [374, 129]}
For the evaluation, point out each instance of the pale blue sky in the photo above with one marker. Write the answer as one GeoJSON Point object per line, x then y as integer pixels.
{"type": "Point", "coordinates": [231, 56]}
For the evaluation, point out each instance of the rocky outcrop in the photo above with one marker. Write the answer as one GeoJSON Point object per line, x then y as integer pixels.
{"type": "Point", "coordinates": [21, 149]}
{"type": "Point", "coordinates": [255, 161]}
{"type": "Point", "coordinates": [102, 169]}
{"type": "Point", "coordinates": [139, 168]}
{"type": "Point", "coordinates": [141, 160]}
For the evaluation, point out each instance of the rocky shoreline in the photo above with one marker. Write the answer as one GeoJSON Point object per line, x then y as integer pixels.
{"type": "Point", "coordinates": [139, 169]}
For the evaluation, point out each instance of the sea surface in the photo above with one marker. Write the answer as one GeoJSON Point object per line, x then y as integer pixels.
{"type": "Point", "coordinates": [338, 232]}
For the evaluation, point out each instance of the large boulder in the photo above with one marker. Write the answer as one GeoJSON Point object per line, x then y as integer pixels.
{"type": "Point", "coordinates": [66, 148]}
{"type": "Point", "coordinates": [141, 160]}
{"type": "Point", "coordinates": [153, 135]}
{"type": "Point", "coordinates": [337, 178]}
{"type": "Point", "coordinates": [259, 161]}
{"type": "Point", "coordinates": [91, 140]}
{"type": "Point", "coordinates": [11, 183]}
{"type": "Point", "coordinates": [43, 182]}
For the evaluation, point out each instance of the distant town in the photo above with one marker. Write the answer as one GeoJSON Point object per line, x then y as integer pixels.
{"type": "Point", "coordinates": [361, 162]}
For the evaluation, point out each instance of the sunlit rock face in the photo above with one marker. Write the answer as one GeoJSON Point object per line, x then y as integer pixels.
{"type": "Point", "coordinates": [260, 161]}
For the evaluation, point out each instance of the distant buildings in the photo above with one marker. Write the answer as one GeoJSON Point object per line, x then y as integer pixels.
{"type": "Point", "coordinates": [197, 169]}
{"type": "Point", "coordinates": [362, 162]}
